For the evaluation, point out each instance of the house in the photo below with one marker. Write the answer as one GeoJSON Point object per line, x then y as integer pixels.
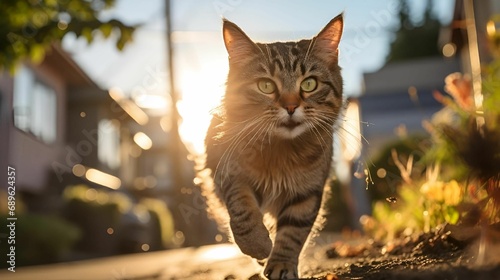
{"type": "Point", "coordinates": [398, 97]}
{"type": "Point", "coordinates": [63, 134]}
{"type": "Point", "coordinates": [69, 139]}
{"type": "Point", "coordinates": [53, 118]}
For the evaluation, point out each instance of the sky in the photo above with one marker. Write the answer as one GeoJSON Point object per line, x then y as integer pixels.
{"type": "Point", "coordinates": [200, 59]}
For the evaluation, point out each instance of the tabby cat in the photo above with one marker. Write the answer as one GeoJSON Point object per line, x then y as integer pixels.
{"type": "Point", "coordinates": [269, 147]}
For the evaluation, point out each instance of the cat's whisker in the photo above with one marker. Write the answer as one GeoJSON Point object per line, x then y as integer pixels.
{"type": "Point", "coordinates": [270, 128]}
{"type": "Point", "coordinates": [236, 139]}
{"type": "Point", "coordinates": [256, 136]}
{"type": "Point", "coordinates": [353, 131]}
{"type": "Point", "coordinates": [325, 126]}
{"type": "Point", "coordinates": [250, 128]}
{"type": "Point", "coordinates": [319, 128]}
{"type": "Point", "coordinates": [350, 123]}
{"type": "Point", "coordinates": [243, 133]}
{"type": "Point", "coordinates": [322, 142]}
{"type": "Point", "coordinates": [325, 129]}
{"type": "Point", "coordinates": [238, 128]}
{"type": "Point", "coordinates": [348, 142]}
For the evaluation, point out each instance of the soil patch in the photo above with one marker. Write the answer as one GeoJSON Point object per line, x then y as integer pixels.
{"type": "Point", "coordinates": [434, 255]}
{"type": "Point", "coordinates": [427, 256]}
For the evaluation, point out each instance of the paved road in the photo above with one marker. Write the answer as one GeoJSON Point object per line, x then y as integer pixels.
{"type": "Point", "coordinates": [208, 262]}
{"type": "Point", "coordinates": [212, 262]}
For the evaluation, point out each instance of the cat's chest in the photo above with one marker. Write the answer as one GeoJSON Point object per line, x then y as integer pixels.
{"type": "Point", "coordinates": [280, 156]}
{"type": "Point", "coordinates": [284, 165]}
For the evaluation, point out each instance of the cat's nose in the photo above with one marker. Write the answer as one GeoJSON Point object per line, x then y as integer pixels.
{"type": "Point", "coordinates": [290, 102]}
{"type": "Point", "coordinates": [290, 108]}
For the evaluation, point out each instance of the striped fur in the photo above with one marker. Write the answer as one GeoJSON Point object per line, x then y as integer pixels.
{"type": "Point", "coordinates": [269, 155]}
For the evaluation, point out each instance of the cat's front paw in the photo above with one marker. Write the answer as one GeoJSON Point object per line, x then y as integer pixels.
{"type": "Point", "coordinates": [281, 271]}
{"type": "Point", "coordinates": [253, 240]}
{"type": "Point", "coordinates": [257, 246]}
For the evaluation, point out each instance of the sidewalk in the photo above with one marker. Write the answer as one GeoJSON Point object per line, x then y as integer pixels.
{"type": "Point", "coordinates": [207, 262]}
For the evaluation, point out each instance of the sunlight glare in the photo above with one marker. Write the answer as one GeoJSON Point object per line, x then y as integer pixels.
{"type": "Point", "coordinates": [219, 252]}
{"type": "Point", "coordinates": [351, 132]}
{"type": "Point", "coordinates": [143, 141]}
{"type": "Point", "coordinates": [151, 101]}
{"type": "Point", "coordinates": [136, 113]}
{"type": "Point", "coordinates": [201, 93]}
{"type": "Point", "coordinates": [103, 179]}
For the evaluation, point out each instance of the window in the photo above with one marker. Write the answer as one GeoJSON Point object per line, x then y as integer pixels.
{"type": "Point", "coordinates": [35, 106]}
{"type": "Point", "coordinates": [108, 143]}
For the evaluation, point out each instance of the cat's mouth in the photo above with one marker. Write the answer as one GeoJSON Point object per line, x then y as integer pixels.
{"type": "Point", "coordinates": [290, 124]}
{"type": "Point", "coordinates": [290, 128]}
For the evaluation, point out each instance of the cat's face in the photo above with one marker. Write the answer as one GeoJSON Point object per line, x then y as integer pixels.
{"type": "Point", "coordinates": [291, 87]}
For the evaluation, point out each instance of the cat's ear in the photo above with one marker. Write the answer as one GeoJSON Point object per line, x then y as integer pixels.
{"type": "Point", "coordinates": [327, 41]}
{"type": "Point", "coordinates": [238, 45]}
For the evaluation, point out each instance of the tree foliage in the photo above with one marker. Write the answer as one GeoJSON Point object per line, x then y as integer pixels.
{"type": "Point", "coordinates": [415, 39]}
{"type": "Point", "coordinates": [28, 28]}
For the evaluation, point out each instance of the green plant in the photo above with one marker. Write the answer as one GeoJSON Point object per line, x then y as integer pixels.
{"type": "Point", "coordinates": [461, 182]}
{"type": "Point", "coordinates": [41, 239]}
{"type": "Point", "coordinates": [112, 204]}
{"type": "Point", "coordinates": [164, 217]}
{"type": "Point", "coordinates": [29, 28]}
{"type": "Point", "coordinates": [419, 205]}
{"type": "Point", "coordinates": [386, 174]}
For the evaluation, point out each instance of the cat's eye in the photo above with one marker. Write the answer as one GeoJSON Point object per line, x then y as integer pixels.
{"type": "Point", "coordinates": [308, 84]}
{"type": "Point", "coordinates": [266, 86]}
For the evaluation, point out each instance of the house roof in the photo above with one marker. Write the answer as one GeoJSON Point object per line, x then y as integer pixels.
{"type": "Point", "coordinates": [73, 75]}
{"type": "Point", "coordinates": [421, 74]}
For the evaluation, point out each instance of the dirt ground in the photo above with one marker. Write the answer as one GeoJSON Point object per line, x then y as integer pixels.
{"type": "Point", "coordinates": [435, 255]}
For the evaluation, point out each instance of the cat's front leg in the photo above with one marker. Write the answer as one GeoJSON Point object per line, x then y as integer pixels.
{"type": "Point", "coordinates": [246, 222]}
{"type": "Point", "coordinates": [295, 222]}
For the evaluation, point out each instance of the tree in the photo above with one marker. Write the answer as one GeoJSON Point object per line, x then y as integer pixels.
{"type": "Point", "coordinates": [414, 39]}
{"type": "Point", "coordinates": [29, 28]}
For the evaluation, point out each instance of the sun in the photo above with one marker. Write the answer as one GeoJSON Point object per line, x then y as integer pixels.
{"type": "Point", "coordinates": [201, 90]}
